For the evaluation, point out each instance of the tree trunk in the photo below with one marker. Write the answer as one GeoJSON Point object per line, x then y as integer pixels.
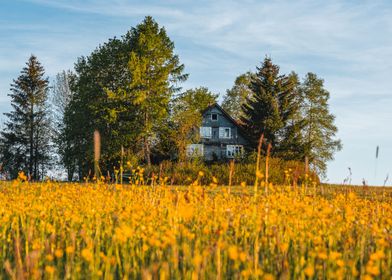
{"type": "Point", "coordinates": [31, 141]}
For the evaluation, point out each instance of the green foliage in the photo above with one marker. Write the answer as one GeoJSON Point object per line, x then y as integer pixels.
{"type": "Point", "coordinates": [293, 117]}
{"type": "Point", "coordinates": [271, 105]}
{"type": "Point", "coordinates": [155, 71]}
{"type": "Point", "coordinates": [123, 90]}
{"type": "Point", "coordinates": [237, 95]}
{"type": "Point", "coordinates": [186, 117]}
{"type": "Point", "coordinates": [89, 108]}
{"type": "Point", "coordinates": [318, 126]}
{"type": "Point", "coordinates": [280, 172]}
{"type": "Point", "coordinates": [24, 143]}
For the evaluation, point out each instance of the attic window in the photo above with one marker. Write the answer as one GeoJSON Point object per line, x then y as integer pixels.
{"type": "Point", "coordinates": [214, 117]}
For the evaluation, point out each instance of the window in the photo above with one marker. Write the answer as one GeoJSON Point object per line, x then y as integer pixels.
{"type": "Point", "coordinates": [214, 117]}
{"type": "Point", "coordinates": [225, 132]}
{"type": "Point", "coordinates": [193, 150]}
{"type": "Point", "coordinates": [234, 151]}
{"type": "Point", "coordinates": [205, 132]}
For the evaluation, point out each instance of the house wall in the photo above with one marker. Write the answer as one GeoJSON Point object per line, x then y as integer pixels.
{"type": "Point", "coordinates": [215, 147]}
{"type": "Point", "coordinates": [223, 121]}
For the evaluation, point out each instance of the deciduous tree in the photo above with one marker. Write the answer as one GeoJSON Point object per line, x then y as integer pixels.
{"type": "Point", "coordinates": [319, 130]}
{"type": "Point", "coordinates": [237, 95]}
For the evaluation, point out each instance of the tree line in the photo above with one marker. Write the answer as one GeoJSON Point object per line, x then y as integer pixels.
{"type": "Point", "coordinates": [129, 89]}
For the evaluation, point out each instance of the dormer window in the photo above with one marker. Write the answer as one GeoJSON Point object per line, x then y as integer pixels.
{"type": "Point", "coordinates": [214, 117]}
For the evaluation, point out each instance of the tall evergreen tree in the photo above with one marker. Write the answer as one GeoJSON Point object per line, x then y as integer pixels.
{"type": "Point", "coordinates": [271, 104]}
{"type": "Point", "coordinates": [319, 131]}
{"type": "Point", "coordinates": [237, 95]}
{"type": "Point", "coordinates": [25, 141]}
{"type": "Point", "coordinates": [290, 145]}
{"type": "Point", "coordinates": [155, 72]}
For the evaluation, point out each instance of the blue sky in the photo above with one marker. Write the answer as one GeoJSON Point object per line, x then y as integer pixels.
{"type": "Point", "coordinates": [347, 43]}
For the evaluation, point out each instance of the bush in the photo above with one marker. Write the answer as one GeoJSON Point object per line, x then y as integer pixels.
{"type": "Point", "coordinates": [184, 173]}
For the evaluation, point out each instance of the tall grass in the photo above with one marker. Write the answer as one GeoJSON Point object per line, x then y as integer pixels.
{"type": "Point", "coordinates": [93, 231]}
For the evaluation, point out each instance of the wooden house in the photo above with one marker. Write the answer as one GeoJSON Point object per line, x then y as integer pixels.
{"type": "Point", "coordinates": [221, 137]}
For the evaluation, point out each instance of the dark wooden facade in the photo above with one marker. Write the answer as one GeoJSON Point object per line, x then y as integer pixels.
{"type": "Point", "coordinates": [220, 136]}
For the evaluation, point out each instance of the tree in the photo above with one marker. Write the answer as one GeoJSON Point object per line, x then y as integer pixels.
{"type": "Point", "coordinates": [186, 116]}
{"type": "Point", "coordinates": [270, 105]}
{"type": "Point", "coordinates": [25, 141]}
{"type": "Point", "coordinates": [105, 69]}
{"type": "Point", "coordinates": [61, 96]}
{"type": "Point", "coordinates": [319, 130]}
{"type": "Point", "coordinates": [290, 146]}
{"type": "Point", "coordinates": [155, 71]}
{"type": "Point", "coordinates": [237, 95]}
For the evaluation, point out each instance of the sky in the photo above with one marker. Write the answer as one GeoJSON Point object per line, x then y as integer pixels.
{"type": "Point", "coordinates": [346, 43]}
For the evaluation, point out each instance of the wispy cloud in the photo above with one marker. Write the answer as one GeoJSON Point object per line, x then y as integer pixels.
{"type": "Point", "coordinates": [348, 43]}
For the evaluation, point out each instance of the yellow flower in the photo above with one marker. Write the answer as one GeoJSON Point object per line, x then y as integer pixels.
{"type": "Point", "coordinates": [268, 277]}
{"type": "Point", "coordinates": [309, 271]}
{"type": "Point", "coordinates": [242, 256]}
{"type": "Point", "coordinates": [49, 269]}
{"type": "Point", "coordinates": [197, 259]}
{"type": "Point", "coordinates": [49, 258]}
{"type": "Point", "coordinates": [58, 253]}
{"type": "Point", "coordinates": [372, 269]}
{"type": "Point", "coordinates": [233, 252]}
{"type": "Point", "coordinates": [87, 255]}
{"type": "Point", "coordinates": [69, 250]}
{"type": "Point", "coordinates": [340, 263]}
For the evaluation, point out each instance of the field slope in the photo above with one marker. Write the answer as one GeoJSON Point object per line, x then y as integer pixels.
{"type": "Point", "coordinates": [50, 230]}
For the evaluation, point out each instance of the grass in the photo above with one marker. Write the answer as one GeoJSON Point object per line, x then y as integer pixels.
{"type": "Point", "coordinates": [96, 230]}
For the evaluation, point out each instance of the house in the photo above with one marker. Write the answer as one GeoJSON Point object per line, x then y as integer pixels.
{"type": "Point", "coordinates": [221, 137]}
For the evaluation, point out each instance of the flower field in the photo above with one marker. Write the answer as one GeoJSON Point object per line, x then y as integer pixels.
{"type": "Point", "coordinates": [58, 230]}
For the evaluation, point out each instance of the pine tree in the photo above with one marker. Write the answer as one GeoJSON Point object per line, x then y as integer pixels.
{"type": "Point", "coordinates": [319, 130]}
{"type": "Point", "coordinates": [237, 95]}
{"type": "Point", "coordinates": [25, 141]}
{"type": "Point", "coordinates": [271, 104]}
{"type": "Point", "coordinates": [290, 145]}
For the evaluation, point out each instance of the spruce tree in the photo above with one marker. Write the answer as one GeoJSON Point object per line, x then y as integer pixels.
{"type": "Point", "coordinates": [25, 141]}
{"type": "Point", "coordinates": [319, 130]}
{"type": "Point", "coordinates": [271, 104]}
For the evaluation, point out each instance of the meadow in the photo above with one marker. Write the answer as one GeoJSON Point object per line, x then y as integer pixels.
{"type": "Point", "coordinates": [98, 230]}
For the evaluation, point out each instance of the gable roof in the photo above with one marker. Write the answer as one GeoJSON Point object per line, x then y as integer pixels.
{"type": "Point", "coordinates": [227, 115]}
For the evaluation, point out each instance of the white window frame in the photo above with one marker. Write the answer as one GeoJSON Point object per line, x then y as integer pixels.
{"type": "Point", "coordinates": [206, 132]}
{"type": "Point", "coordinates": [194, 150]}
{"type": "Point", "coordinates": [222, 133]}
{"type": "Point", "coordinates": [233, 151]}
{"type": "Point", "coordinates": [216, 117]}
